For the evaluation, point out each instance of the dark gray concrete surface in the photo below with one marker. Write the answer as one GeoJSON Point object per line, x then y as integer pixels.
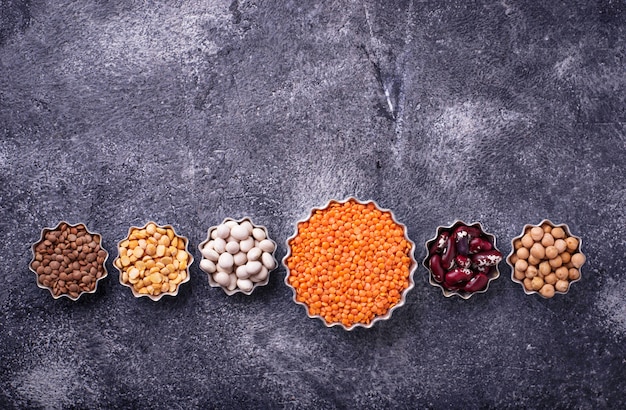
{"type": "Point", "coordinates": [505, 112]}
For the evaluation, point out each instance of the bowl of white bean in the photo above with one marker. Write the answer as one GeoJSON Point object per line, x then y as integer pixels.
{"type": "Point", "coordinates": [237, 256]}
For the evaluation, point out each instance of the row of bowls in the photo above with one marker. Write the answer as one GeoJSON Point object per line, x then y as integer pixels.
{"type": "Point", "coordinates": [448, 293]}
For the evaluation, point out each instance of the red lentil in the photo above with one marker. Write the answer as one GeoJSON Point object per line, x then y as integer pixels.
{"type": "Point", "coordinates": [349, 263]}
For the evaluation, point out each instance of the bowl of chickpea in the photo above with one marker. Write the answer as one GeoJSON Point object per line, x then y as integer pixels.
{"type": "Point", "coordinates": [546, 259]}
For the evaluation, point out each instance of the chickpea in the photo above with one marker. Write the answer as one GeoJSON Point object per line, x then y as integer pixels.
{"type": "Point", "coordinates": [545, 268]}
{"type": "Point", "coordinates": [521, 265]}
{"type": "Point", "coordinates": [527, 241]}
{"type": "Point", "coordinates": [538, 251]}
{"type": "Point", "coordinates": [573, 274]}
{"type": "Point", "coordinates": [556, 262]}
{"type": "Point", "coordinates": [565, 257]}
{"type": "Point", "coordinates": [560, 245]}
{"type": "Point", "coordinates": [561, 273]}
{"type": "Point", "coordinates": [519, 275]}
{"type": "Point", "coordinates": [528, 284]}
{"type": "Point", "coordinates": [513, 259]}
{"type": "Point", "coordinates": [578, 259]}
{"type": "Point", "coordinates": [572, 243]}
{"type": "Point", "coordinates": [547, 290]}
{"type": "Point", "coordinates": [523, 253]}
{"type": "Point", "coordinates": [558, 233]}
{"type": "Point", "coordinates": [546, 227]}
{"type": "Point", "coordinates": [517, 244]}
{"type": "Point", "coordinates": [551, 279]}
{"type": "Point", "coordinates": [551, 252]}
{"type": "Point", "coordinates": [533, 261]}
{"type": "Point", "coordinates": [531, 272]}
{"type": "Point", "coordinates": [562, 285]}
{"type": "Point", "coordinates": [536, 283]}
{"type": "Point", "coordinates": [547, 240]}
{"type": "Point", "coordinates": [536, 233]}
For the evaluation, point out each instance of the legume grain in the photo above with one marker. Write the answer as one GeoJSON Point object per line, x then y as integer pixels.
{"type": "Point", "coordinates": [349, 263]}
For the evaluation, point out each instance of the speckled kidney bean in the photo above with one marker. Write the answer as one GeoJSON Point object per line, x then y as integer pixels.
{"type": "Point", "coordinates": [458, 275]}
{"type": "Point", "coordinates": [477, 283]}
{"type": "Point", "coordinates": [447, 258]}
{"type": "Point", "coordinates": [436, 268]}
{"type": "Point", "coordinates": [462, 258]}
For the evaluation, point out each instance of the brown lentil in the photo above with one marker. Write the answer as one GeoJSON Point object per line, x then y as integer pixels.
{"type": "Point", "coordinates": [68, 260]}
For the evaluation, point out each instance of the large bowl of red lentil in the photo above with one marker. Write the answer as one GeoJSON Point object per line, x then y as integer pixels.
{"type": "Point", "coordinates": [350, 263]}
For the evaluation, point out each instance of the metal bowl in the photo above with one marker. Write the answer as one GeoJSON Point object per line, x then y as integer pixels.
{"type": "Point", "coordinates": [226, 290]}
{"type": "Point", "coordinates": [526, 227]}
{"type": "Point", "coordinates": [101, 261]}
{"type": "Point", "coordinates": [155, 298]}
{"type": "Point", "coordinates": [493, 274]}
{"type": "Point", "coordinates": [411, 268]}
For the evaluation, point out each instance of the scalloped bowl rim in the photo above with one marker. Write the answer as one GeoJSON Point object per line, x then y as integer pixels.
{"type": "Point", "coordinates": [567, 230]}
{"type": "Point", "coordinates": [412, 267]}
{"type": "Point", "coordinates": [264, 282]}
{"type": "Point", "coordinates": [42, 238]}
{"type": "Point", "coordinates": [160, 295]}
{"type": "Point", "coordinates": [449, 293]}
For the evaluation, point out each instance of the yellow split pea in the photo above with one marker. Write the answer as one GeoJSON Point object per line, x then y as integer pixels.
{"type": "Point", "coordinates": [153, 260]}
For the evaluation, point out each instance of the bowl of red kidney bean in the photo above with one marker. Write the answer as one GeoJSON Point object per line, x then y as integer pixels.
{"type": "Point", "coordinates": [462, 259]}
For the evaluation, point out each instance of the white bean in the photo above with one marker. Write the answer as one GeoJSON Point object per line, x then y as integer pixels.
{"type": "Point", "coordinates": [213, 234]}
{"type": "Point", "coordinates": [245, 284]}
{"type": "Point", "coordinates": [267, 245]}
{"type": "Point", "coordinates": [222, 231]}
{"type": "Point", "coordinates": [230, 224]}
{"type": "Point", "coordinates": [233, 282]}
{"type": "Point", "coordinates": [226, 270]}
{"type": "Point", "coordinates": [222, 278]}
{"type": "Point", "coordinates": [208, 266]}
{"type": "Point", "coordinates": [258, 234]}
{"type": "Point", "coordinates": [232, 247]}
{"type": "Point", "coordinates": [246, 244]}
{"type": "Point", "coordinates": [253, 267]}
{"type": "Point", "coordinates": [210, 254]}
{"type": "Point", "coordinates": [225, 261]}
{"type": "Point", "coordinates": [261, 276]}
{"type": "Point", "coordinates": [219, 245]}
{"type": "Point", "coordinates": [239, 232]}
{"type": "Point", "coordinates": [254, 254]}
{"type": "Point", "coordinates": [248, 226]}
{"type": "Point", "coordinates": [240, 259]}
{"type": "Point", "coordinates": [242, 272]}
{"type": "Point", "coordinates": [268, 261]}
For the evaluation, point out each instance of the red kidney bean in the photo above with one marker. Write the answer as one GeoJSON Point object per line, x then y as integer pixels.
{"type": "Point", "coordinates": [447, 259]}
{"type": "Point", "coordinates": [473, 232]}
{"type": "Point", "coordinates": [483, 269]}
{"type": "Point", "coordinates": [463, 261]}
{"type": "Point", "coordinates": [436, 268]}
{"type": "Point", "coordinates": [478, 282]}
{"type": "Point", "coordinates": [458, 275]}
{"type": "Point", "coordinates": [486, 258]}
{"type": "Point", "coordinates": [462, 245]}
{"type": "Point", "coordinates": [440, 244]}
{"type": "Point", "coordinates": [479, 244]}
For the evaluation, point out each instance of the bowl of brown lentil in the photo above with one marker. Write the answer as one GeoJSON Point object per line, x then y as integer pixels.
{"type": "Point", "coordinates": [546, 259]}
{"type": "Point", "coordinates": [153, 261]}
{"type": "Point", "coordinates": [350, 263]}
{"type": "Point", "coordinates": [69, 260]}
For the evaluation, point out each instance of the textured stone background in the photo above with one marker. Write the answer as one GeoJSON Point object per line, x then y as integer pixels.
{"type": "Point", "coordinates": [506, 112]}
